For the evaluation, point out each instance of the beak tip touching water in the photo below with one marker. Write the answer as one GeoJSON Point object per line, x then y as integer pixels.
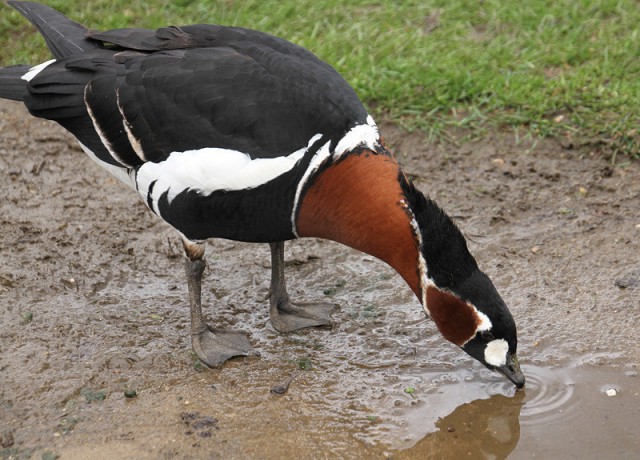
{"type": "Point", "coordinates": [512, 371]}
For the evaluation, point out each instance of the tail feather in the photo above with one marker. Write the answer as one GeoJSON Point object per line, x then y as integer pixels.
{"type": "Point", "coordinates": [63, 36]}
{"type": "Point", "coordinates": [12, 86]}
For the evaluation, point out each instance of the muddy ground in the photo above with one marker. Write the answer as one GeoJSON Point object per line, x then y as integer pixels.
{"type": "Point", "coordinates": [93, 304]}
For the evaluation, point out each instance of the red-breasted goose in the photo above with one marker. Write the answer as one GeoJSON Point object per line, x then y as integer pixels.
{"type": "Point", "coordinates": [232, 133]}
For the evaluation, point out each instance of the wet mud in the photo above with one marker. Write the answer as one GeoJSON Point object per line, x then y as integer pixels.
{"type": "Point", "coordinates": [95, 358]}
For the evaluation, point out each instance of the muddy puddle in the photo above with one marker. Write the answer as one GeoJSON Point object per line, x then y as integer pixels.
{"type": "Point", "coordinates": [93, 304]}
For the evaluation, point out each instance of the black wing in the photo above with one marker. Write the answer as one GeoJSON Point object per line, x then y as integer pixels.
{"type": "Point", "coordinates": [144, 94]}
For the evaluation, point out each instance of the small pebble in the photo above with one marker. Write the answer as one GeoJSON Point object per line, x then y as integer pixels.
{"type": "Point", "coordinates": [130, 393]}
{"type": "Point", "coordinates": [612, 392]}
{"type": "Point", "coordinates": [535, 249]}
{"type": "Point", "coordinates": [583, 191]}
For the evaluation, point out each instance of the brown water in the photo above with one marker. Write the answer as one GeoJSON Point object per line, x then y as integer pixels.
{"type": "Point", "coordinates": [558, 231]}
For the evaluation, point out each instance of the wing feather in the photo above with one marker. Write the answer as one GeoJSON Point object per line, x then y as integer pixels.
{"type": "Point", "coordinates": [179, 89]}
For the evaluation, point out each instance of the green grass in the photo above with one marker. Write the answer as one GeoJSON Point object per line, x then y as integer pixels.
{"type": "Point", "coordinates": [566, 68]}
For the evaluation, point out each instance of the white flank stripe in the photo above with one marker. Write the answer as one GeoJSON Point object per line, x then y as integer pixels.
{"type": "Point", "coordinates": [495, 353]}
{"type": "Point", "coordinates": [36, 69]}
{"type": "Point", "coordinates": [210, 169]}
{"type": "Point", "coordinates": [123, 174]}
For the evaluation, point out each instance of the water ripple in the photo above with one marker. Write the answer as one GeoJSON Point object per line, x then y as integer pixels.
{"type": "Point", "coordinates": [549, 396]}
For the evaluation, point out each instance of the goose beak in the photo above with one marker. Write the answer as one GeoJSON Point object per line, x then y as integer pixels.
{"type": "Point", "coordinates": [511, 370]}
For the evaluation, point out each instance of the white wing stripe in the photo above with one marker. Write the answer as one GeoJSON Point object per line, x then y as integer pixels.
{"type": "Point", "coordinates": [36, 69]}
{"type": "Point", "coordinates": [103, 137]}
{"type": "Point", "coordinates": [135, 143]}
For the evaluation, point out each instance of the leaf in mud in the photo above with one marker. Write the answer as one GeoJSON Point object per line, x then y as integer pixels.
{"type": "Point", "coordinates": [410, 391]}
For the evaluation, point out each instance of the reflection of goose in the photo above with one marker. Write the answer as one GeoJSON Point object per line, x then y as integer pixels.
{"type": "Point", "coordinates": [484, 428]}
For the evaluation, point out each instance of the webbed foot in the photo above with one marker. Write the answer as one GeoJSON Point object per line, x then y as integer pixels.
{"type": "Point", "coordinates": [215, 346]}
{"type": "Point", "coordinates": [286, 316]}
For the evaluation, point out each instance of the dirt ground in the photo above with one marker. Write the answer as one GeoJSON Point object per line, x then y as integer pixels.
{"type": "Point", "coordinates": [93, 304]}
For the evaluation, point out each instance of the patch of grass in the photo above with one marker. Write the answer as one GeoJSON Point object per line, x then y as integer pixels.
{"type": "Point", "coordinates": [47, 455]}
{"type": "Point", "coordinates": [198, 366]}
{"type": "Point", "coordinates": [565, 68]}
{"type": "Point", "coordinates": [332, 290]}
{"type": "Point", "coordinates": [304, 363]}
{"type": "Point", "coordinates": [92, 396]}
{"type": "Point", "coordinates": [67, 424]}
{"type": "Point", "coordinates": [15, 453]}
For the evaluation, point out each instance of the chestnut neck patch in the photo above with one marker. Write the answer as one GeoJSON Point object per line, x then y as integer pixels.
{"type": "Point", "coordinates": [358, 201]}
{"type": "Point", "coordinates": [456, 319]}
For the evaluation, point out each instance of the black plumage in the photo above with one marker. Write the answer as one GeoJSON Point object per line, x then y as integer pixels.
{"type": "Point", "coordinates": [194, 87]}
{"type": "Point", "coordinates": [233, 133]}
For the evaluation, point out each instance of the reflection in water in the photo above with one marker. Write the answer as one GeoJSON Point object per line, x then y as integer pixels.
{"type": "Point", "coordinates": [484, 428]}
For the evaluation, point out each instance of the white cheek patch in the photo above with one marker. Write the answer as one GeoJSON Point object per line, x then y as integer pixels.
{"type": "Point", "coordinates": [496, 352]}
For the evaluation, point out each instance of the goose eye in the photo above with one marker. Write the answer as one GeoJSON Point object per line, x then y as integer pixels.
{"type": "Point", "coordinates": [486, 335]}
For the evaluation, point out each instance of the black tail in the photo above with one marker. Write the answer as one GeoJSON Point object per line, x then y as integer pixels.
{"type": "Point", "coordinates": [12, 86]}
{"type": "Point", "coordinates": [64, 37]}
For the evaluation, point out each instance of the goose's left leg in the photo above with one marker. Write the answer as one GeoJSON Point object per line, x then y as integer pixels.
{"type": "Point", "coordinates": [286, 316]}
{"type": "Point", "coordinates": [213, 346]}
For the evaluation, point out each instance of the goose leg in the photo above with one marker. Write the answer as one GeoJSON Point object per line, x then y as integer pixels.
{"type": "Point", "coordinates": [213, 346]}
{"type": "Point", "coordinates": [285, 316]}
